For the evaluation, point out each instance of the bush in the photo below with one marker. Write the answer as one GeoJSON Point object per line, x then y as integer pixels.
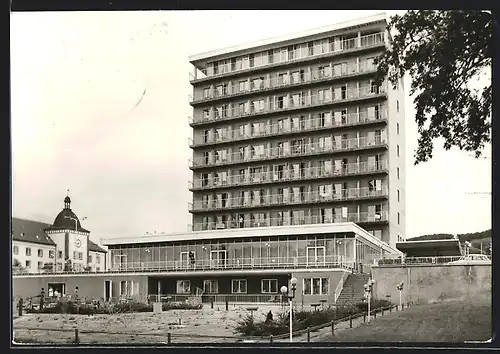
{"type": "Point", "coordinates": [69, 307]}
{"type": "Point", "coordinates": [302, 319]}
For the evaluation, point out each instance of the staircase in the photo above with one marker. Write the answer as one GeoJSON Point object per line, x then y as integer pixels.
{"type": "Point", "coordinates": [353, 290]}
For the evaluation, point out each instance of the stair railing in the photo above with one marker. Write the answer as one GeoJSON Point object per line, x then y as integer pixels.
{"type": "Point", "coordinates": [340, 286]}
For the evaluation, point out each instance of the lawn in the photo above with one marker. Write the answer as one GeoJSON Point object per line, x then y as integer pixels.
{"type": "Point", "coordinates": [444, 322]}
{"type": "Point", "coordinates": [212, 324]}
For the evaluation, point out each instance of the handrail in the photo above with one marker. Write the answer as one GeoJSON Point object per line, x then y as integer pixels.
{"type": "Point", "coordinates": [340, 286]}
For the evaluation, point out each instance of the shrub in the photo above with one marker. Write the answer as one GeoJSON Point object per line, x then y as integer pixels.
{"type": "Point", "coordinates": [375, 305]}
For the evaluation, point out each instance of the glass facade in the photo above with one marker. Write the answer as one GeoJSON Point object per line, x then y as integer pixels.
{"type": "Point", "coordinates": [331, 251]}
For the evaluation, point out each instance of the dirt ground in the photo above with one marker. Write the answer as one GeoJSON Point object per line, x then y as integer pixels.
{"type": "Point", "coordinates": [196, 326]}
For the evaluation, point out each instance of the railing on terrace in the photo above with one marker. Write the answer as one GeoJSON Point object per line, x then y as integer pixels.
{"type": "Point", "coordinates": [289, 102]}
{"type": "Point", "coordinates": [280, 199]}
{"type": "Point", "coordinates": [219, 299]}
{"type": "Point", "coordinates": [277, 129]}
{"type": "Point", "coordinates": [416, 260]}
{"type": "Point", "coordinates": [302, 220]}
{"type": "Point", "coordinates": [222, 157]}
{"type": "Point", "coordinates": [282, 57]}
{"type": "Point", "coordinates": [276, 81]}
{"type": "Point", "coordinates": [288, 175]}
{"type": "Point", "coordinates": [235, 264]}
{"type": "Point", "coordinates": [340, 286]}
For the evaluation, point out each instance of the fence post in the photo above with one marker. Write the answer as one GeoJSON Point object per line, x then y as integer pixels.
{"type": "Point", "coordinates": [350, 320]}
{"type": "Point", "coordinates": [374, 314]}
{"type": "Point", "coordinates": [308, 334]}
{"type": "Point", "coordinates": [211, 304]}
{"type": "Point", "coordinates": [333, 328]}
{"type": "Point", "coordinates": [364, 316]}
{"type": "Point", "coordinates": [77, 339]}
{"type": "Point", "coordinates": [397, 307]}
{"type": "Point", "coordinates": [390, 308]}
{"type": "Point", "coordinates": [180, 322]}
{"type": "Point", "coordinates": [271, 338]}
{"type": "Point", "coordinates": [402, 307]}
{"type": "Point", "coordinates": [227, 305]}
{"type": "Point", "coordinates": [382, 312]}
{"type": "Point", "coordinates": [169, 338]}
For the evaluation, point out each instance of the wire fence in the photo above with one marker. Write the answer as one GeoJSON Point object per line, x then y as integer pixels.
{"type": "Point", "coordinates": [171, 337]}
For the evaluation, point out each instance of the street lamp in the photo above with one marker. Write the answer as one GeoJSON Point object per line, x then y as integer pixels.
{"type": "Point", "coordinates": [368, 294]}
{"type": "Point", "coordinates": [400, 288]}
{"type": "Point", "coordinates": [284, 291]}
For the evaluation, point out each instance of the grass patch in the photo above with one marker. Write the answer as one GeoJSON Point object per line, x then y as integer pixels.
{"type": "Point", "coordinates": [443, 322]}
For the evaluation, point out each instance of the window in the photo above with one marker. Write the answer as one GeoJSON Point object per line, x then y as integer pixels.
{"type": "Point", "coordinates": [51, 254]}
{"type": "Point", "coordinates": [89, 259]}
{"type": "Point", "coordinates": [183, 286]}
{"type": "Point", "coordinates": [59, 267]}
{"type": "Point", "coordinates": [377, 234]}
{"type": "Point", "coordinates": [15, 249]}
{"type": "Point", "coordinates": [316, 286]}
{"type": "Point", "coordinates": [269, 286]}
{"type": "Point", "coordinates": [206, 93]}
{"type": "Point", "coordinates": [206, 113]}
{"type": "Point", "coordinates": [398, 195]}
{"type": "Point", "coordinates": [28, 264]}
{"type": "Point", "coordinates": [77, 255]}
{"type": "Point", "coordinates": [397, 150]}
{"type": "Point", "coordinates": [397, 172]}
{"type": "Point", "coordinates": [59, 254]}
{"type": "Point", "coordinates": [397, 128]}
{"type": "Point", "coordinates": [127, 288]}
{"type": "Point", "coordinates": [98, 259]}
{"type": "Point", "coordinates": [40, 253]}
{"type": "Point", "coordinates": [40, 265]}
{"type": "Point", "coordinates": [28, 251]}
{"type": "Point", "coordinates": [397, 105]}
{"type": "Point", "coordinates": [211, 286]}
{"type": "Point", "coordinates": [399, 219]}
{"type": "Point", "coordinates": [239, 286]}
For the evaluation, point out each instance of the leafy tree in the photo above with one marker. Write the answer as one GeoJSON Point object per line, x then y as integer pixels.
{"type": "Point", "coordinates": [17, 266]}
{"type": "Point", "coordinates": [444, 52]}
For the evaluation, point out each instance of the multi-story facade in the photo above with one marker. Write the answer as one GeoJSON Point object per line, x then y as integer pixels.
{"type": "Point", "coordinates": [295, 131]}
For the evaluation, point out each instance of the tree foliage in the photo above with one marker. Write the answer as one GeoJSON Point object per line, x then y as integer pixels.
{"type": "Point", "coordinates": [444, 53]}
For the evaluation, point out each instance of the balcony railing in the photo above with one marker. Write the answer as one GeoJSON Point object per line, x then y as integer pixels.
{"type": "Point", "coordinates": [290, 199]}
{"type": "Point", "coordinates": [362, 217]}
{"type": "Point", "coordinates": [286, 103]}
{"type": "Point", "coordinates": [416, 260]}
{"type": "Point", "coordinates": [302, 54]}
{"type": "Point", "coordinates": [301, 126]}
{"type": "Point", "coordinates": [207, 298]}
{"type": "Point", "coordinates": [288, 175]}
{"type": "Point", "coordinates": [276, 81]}
{"type": "Point", "coordinates": [293, 151]}
{"type": "Point", "coordinates": [328, 261]}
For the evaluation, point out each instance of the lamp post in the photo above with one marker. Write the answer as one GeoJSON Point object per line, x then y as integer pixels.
{"type": "Point", "coordinates": [284, 291]}
{"type": "Point", "coordinates": [400, 288]}
{"type": "Point", "coordinates": [368, 294]}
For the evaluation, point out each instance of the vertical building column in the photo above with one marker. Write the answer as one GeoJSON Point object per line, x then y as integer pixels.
{"type": "Point", "coordinates": [359, 39]}
{"type": "Point", "coordinates": [229, 87]}
{"type": "Point", "coordinates": [358, 68]}
{"type": "Point", "coordinates": [230, 109]}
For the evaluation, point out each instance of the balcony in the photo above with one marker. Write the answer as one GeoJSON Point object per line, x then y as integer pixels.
{"type": "Point", "coordinates": [276, 82]}
{"type": "Point", "coordinates": [295, 56]}
{"type": "Point", "coordinates": [272, 200]}
{"type": "Point", "coordinates": [270, 177]}
{"type": "Point", "coordinates": [363, 217]}
{"type": "Point", "coordinates": [279, 152]}
{"type": "Point", "coordinates": [279, 129]}
{"type": "Point", "coordinates": [287, 104]}
{"type": "Point", "coordinates": [328, 261]}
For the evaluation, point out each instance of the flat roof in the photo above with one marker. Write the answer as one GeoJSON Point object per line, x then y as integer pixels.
{"type": "Point", "coordinates": [288, 37]}
{"type": "Point", "coordinates": [348, 227]}
{"type": "Point", "coordinates": [448, 247]}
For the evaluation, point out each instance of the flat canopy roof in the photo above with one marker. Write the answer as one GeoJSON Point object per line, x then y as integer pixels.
{"type": "Point", "coordinates": [275, 41]}
{"type": "Point", "coordinates": [348, 227]}
{"type": "Point", "coordinates": [430, 248]}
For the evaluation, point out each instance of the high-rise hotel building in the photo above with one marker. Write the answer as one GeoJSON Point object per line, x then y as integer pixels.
{"type": "Point", "coordinates": [293, 131]}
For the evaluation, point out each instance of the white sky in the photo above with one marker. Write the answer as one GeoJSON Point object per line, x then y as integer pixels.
{"type": "Point", "coordinates": [77, 76]}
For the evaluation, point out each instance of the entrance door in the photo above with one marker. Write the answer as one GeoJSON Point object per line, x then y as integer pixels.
{"type": "Point", "coordinates": [56, 289]}
{"type": "Point", "coordinates": [218, 259]}
{"type": "Point", "coordinates": [120, 262]}
{"type": "Point", "coordinates": [316, 256]}
{"type": "Point", "coordinates": [107, 290]}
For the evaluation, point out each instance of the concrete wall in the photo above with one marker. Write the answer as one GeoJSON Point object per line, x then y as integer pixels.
{"type": "Point", "coordinates": [88, 286]}
{"type": "Point", "coordinates": [426, 284]}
